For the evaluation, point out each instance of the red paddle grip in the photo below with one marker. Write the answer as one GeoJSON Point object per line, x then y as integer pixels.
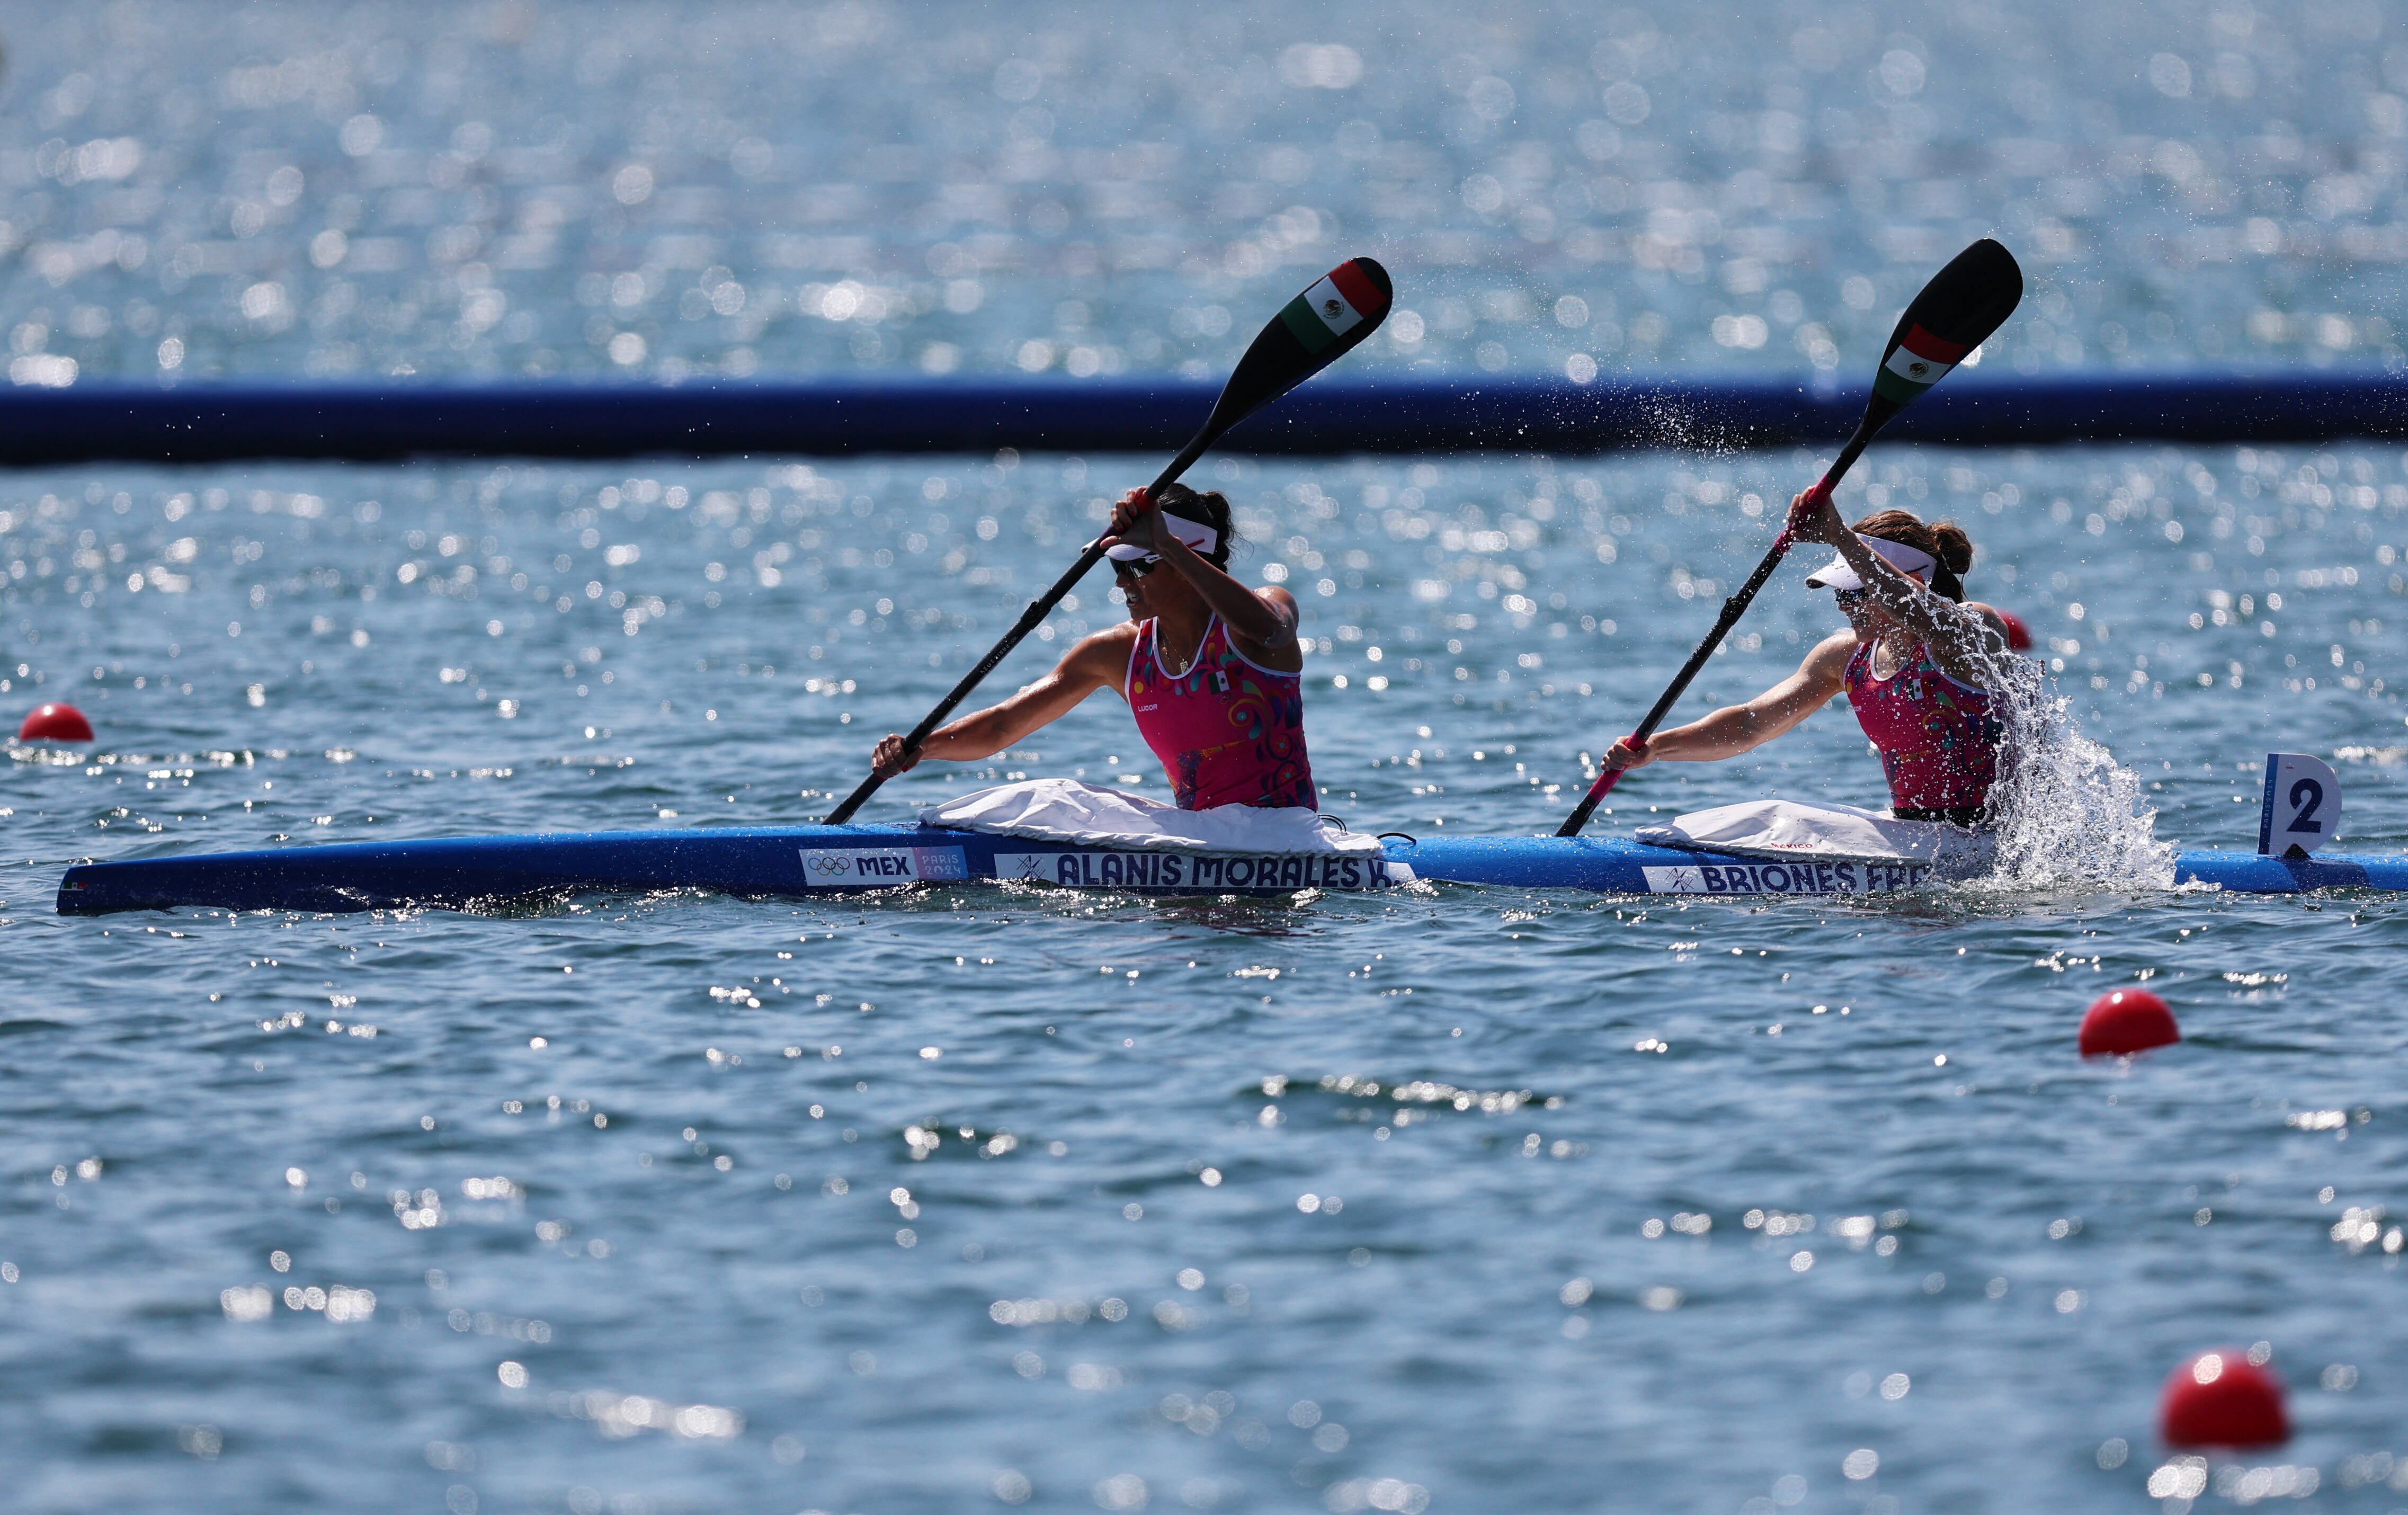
{"type": "Point", "coordinates": [1610, 776]}
{"type": "Point", "coordinates": [1813, 499]}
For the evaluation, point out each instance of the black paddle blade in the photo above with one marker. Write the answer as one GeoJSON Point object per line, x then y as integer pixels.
{"type": "Point", "coordinates": [1312, 332]}
{"type": "Point", "coordinates": [1956, 313]}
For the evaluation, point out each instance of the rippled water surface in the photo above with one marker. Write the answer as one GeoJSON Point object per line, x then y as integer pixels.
{"type": "Point", "coordinates": [934, 1196]}
{"type": "Point", "coordinates": [1455, 1200]}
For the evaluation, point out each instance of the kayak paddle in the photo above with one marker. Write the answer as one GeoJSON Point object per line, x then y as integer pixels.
{"type": "Point", "coordinates": [1956, 311]}
{"type": "Point", "coordinates": [1311, 332]}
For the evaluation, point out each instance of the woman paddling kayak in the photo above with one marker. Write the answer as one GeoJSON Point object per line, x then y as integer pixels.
{"type": "Point", "coordinates": [1919, 664]}
{"type": "Point", "coordinates": [1211, 668]}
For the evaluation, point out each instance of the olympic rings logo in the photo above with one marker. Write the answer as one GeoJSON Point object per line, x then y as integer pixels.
{"type": "Point", "coordinates": [836, 862]}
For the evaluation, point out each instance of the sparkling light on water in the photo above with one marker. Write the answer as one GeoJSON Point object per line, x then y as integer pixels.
{"type": "Point", "coordinates": [644, 1206]}
{"type": "Point", "coordinates": [673, 190]}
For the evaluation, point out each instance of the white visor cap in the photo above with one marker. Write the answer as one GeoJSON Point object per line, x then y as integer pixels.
{"type": "Point", "coordinates": [1911, 561]}
{"type": "Point", "coordinates": [1195, 533]}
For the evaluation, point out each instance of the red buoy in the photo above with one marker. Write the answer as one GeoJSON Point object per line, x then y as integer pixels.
{"type": "Point", "coordinates": [2018, 635]}
{"type": "Point", "coordinates": [2128, 1020]}
{"type": "Point", "coordinates": [2223, 1399]}
{"type": "Point", "coordinates": [55, 724]}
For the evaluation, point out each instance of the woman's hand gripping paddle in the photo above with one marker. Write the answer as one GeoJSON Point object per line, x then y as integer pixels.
{"type": "Point", "coordinates": [1956, 311]}
{"type": "Point", "coordinates": [1311, 332]}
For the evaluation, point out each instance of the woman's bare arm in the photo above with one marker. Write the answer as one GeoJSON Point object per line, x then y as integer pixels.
{"type": "Point", "coordinates": [1974, 659]}
{"type": "Point", "coordinates": [1097, 661]}
{"type": "Point", "coordinates": [1739, 728]}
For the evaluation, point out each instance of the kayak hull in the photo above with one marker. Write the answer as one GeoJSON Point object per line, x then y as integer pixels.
{"type": "Point", "coordinates": [793, 862]}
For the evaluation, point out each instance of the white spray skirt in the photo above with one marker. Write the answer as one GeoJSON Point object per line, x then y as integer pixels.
{"type": "Point", "coordinates": [1067, 810]}
{"type": "Point", "coordinates": [1799, 829]}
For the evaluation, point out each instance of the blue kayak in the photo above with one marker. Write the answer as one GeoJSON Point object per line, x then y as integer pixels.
{"type": "Point", "coordinates": [787, 861]}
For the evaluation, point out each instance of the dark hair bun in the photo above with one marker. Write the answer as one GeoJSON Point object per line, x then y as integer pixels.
{"type": "Point", "coordinates": [1209, 508]}
{"type": "Point", "coordinates": [1955, 549]}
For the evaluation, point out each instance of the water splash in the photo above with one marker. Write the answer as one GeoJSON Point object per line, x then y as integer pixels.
{"type": "Point", "coordinates": [2068, 812]}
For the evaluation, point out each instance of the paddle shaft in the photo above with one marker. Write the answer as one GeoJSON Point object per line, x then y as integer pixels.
{"type": "Point", "coordinates": [1733, 609]}
{"type": "Point", "coordinates": [1037, 610]}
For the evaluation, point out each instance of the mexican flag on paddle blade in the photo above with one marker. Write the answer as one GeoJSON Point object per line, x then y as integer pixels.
{"type": "Point", "coordinates": [1344, 299]}
{"type": "Point", "coordinates": [1919, 361]}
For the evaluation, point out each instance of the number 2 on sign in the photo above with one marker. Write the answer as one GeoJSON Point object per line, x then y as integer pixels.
{"type": "Point", "coordinates": [2307, 798]}
{"type": "Point", "coordinates": [2301, 809]}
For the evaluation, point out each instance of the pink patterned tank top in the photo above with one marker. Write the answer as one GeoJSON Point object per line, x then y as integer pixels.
{"type": "Point", "coordinates": [1938, 738]}
{"type": "Point", "coordinates": [1228, 730]}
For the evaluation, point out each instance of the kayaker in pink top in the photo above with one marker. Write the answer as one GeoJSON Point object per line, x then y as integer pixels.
{"type": "Point", "coordinates": [1212, 669]}
{"type": "Point", "coordinates": [1918, 663]}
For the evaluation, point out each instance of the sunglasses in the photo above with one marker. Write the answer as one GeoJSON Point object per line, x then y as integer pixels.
{"type": "Point", "coordinates": [1848, 598]}
{"type": "Point", "coordinates": [1137, 570]}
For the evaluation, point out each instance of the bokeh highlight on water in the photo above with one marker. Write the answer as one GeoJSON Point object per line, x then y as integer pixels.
{"type": "Point", "coordinates": [1444, 1201]}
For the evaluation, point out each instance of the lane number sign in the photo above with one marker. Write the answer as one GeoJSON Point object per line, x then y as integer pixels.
{"type": "Point", "coordinates": [2301, 810]}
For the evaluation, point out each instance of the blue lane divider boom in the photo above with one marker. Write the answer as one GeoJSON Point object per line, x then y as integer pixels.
{"type": "Point", "coordinates": [1402, 413]}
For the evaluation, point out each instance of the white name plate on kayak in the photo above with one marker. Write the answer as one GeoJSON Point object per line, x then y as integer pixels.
{"type": "Point", "coordinates": [1853, 877]}
{"type": "Point", "coordinates": [2301, 810]}
{"type": "Point", "coordinates": [1198, 871]}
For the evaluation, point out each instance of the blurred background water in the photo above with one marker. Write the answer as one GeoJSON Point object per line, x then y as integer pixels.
{"type": "Point", "coordinates": [196, 189]}
{"type": "Point", "coordinates": [1447, 1201]}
